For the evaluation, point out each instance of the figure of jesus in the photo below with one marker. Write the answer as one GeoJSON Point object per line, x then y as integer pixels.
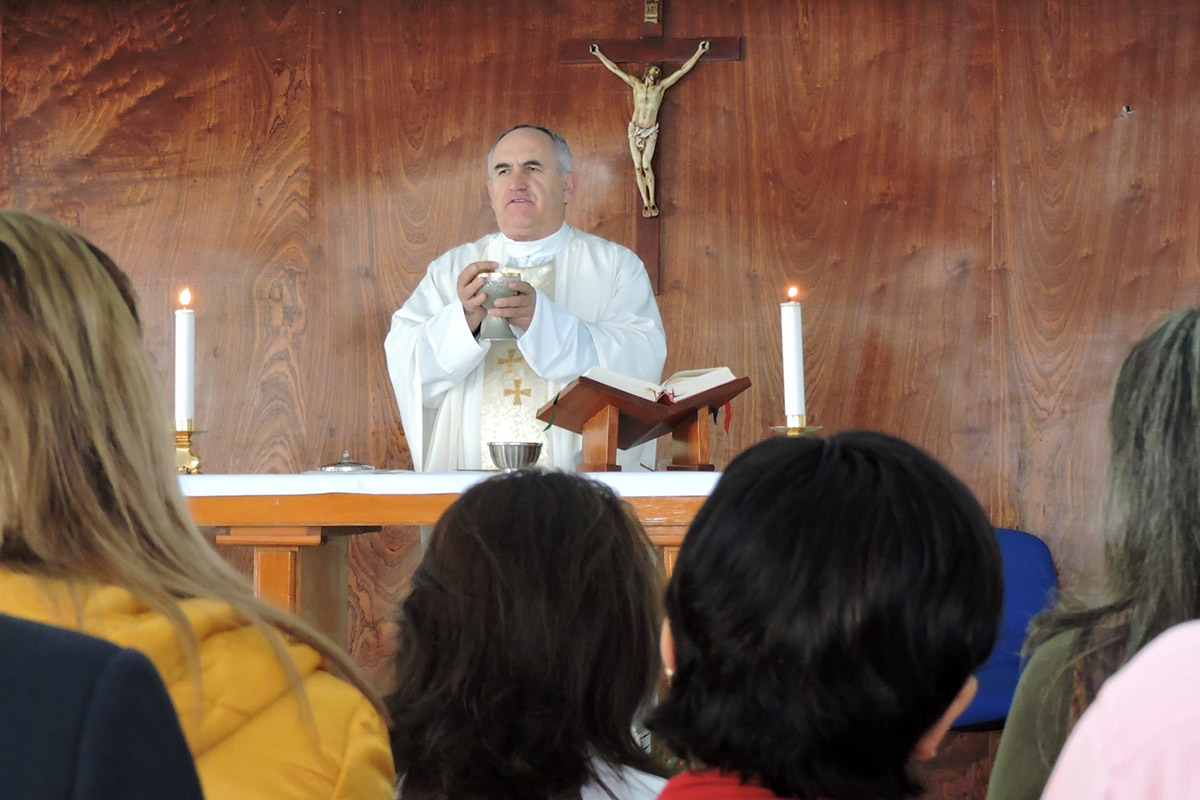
{"type": "Point", "coordinates": [643, 128]}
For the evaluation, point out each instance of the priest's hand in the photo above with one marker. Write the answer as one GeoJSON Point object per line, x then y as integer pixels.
{"type": "Point", "coordinates": [518, 309]}
{"type": "Point", "coordinates": [470, 281]}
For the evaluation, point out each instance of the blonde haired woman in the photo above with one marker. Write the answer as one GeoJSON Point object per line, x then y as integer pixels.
{"type": "Point", "coordinates": [94, 535]}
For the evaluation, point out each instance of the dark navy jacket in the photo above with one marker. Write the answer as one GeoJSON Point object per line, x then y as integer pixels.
{"type": "Point", "coordinates": [83, 719]}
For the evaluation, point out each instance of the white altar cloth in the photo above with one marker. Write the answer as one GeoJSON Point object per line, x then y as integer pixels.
{"type": "Point", "coordinates": [626, 484]}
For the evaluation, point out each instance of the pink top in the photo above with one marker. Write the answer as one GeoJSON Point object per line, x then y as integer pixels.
{"type": "Point", "coordinates": [1141, 736]}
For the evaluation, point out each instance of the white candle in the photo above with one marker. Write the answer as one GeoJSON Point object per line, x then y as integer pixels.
{"type": "Point", "coordinates": [793, 355]}
{"type": "Point", "coordinates": [185, 363]}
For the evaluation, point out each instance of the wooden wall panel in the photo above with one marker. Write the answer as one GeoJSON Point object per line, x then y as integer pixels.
{"type": "Point", "coordinates": [176, 138]}
{"type": "Point", "coordinates": [981, 226]}
{"type": "Point", "coordinates": [818, 160]}
{"type": "Point", "coordinates": [6, 182]}
{"type": "Point", "coordinates": [1096, 232]}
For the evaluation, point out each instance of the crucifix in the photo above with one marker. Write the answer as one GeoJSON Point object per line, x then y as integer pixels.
{"type": "Point", "coordinates": [652, 49]}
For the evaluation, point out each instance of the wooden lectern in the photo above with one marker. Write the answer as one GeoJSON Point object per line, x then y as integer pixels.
{"type": "Point", "coordinates": [609, 419]}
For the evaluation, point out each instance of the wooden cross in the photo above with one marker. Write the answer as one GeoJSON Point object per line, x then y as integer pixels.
{"type": "Point", "coordinates": [651, 48]}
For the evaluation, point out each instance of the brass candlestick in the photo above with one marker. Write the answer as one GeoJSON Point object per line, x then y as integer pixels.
{"type": "Point", "coordinates": [797, 425]}
{"type": "Point", "coordinates": [186, 462]}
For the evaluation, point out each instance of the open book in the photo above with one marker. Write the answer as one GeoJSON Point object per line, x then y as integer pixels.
{"type": "Point", "coordinates": [682, 384]}
{"type": "Point", "coordinates": [616, 412]}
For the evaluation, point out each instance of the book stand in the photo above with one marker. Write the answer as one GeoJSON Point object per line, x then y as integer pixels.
{"type": "Point", "coordinates": [609, 419]}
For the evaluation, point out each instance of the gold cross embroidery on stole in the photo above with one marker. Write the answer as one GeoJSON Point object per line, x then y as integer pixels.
{"type": "Point", "coordinates": [512, 391]}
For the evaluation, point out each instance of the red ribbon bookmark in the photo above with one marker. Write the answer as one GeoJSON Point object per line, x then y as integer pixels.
{"type": "Point", "coordinates": [728, 415]}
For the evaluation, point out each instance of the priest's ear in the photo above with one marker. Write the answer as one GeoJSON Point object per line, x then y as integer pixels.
{"type": "Point", "coordinates": [570, 180]}
{"type": "Point", "coordinates": [928, 744]}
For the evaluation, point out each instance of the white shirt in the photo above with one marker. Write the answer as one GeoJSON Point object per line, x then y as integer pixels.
{"type": "Point", "coordinates": [626, 783]}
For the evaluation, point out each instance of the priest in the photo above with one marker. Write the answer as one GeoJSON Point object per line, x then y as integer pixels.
{"type": "Point", "coordinates": [580, 301]}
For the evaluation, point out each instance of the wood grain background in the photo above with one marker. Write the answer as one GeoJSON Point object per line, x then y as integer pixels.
{"type": "Point", "coordinates": [986, 201]}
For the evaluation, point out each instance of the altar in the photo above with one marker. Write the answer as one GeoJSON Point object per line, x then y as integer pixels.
{"type": "Point", "coordinates": [297, 526]}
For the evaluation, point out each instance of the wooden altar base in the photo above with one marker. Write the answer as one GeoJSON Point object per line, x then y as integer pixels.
{"type": "Point", "coordinates": [297, 544]}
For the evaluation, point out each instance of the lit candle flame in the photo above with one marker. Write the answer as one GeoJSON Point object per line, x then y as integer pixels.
{"type": "Point", "coordinates": [793, 294]}
{"type": "Point", "coordinates": [185, 297]}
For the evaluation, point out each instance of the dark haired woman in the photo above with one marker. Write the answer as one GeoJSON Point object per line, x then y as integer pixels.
{"type": "Point", "coordinates": [528, 647]}
{"type": "Point", "coordinates": [827, 609]}
{"type": "Point", "coordinates": [1151, 580]}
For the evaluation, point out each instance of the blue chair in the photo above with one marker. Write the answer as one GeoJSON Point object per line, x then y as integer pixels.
{"type": "Point", "coordinates": [1029, 586]}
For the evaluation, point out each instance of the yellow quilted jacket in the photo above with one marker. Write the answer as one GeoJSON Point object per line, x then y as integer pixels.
{"type": "Point", "coordinates": [246, 728]}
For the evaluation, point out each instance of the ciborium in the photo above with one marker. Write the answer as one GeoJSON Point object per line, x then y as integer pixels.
{"type": "Point", "coordinates": [495, 285]}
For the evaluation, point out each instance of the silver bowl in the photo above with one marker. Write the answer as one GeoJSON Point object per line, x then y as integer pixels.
{"type": "Point", "coordinates": [515, 455]}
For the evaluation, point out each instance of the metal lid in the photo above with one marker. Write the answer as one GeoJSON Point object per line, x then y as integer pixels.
{"type": "Point", "coordinates": [345, 465]}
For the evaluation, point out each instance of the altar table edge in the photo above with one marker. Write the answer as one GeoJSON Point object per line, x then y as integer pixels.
{"type": "Point", "coordinates": [406, 498]}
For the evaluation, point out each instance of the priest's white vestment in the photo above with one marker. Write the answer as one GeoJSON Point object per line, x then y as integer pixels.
{"type": "Point", "coordinates": [603, 313]}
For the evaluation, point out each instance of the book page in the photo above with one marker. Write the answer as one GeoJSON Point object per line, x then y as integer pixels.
{"type": "Point", "coordinates": [693, 381]}
{"type": "Point", "coordinates": [626, 383]}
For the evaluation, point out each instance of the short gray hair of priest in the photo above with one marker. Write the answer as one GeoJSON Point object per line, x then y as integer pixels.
{"type": "Point", "coordinates": [562, 150]}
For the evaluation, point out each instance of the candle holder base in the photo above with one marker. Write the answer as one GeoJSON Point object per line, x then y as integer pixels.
{"type": "Point", "coordinates": [186, 462]}
{"type": "Point", "coordinates": [797, 425]}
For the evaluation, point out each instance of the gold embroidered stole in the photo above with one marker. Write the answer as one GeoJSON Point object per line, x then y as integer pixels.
{"type": "Point", "coordinates": [512, 391]}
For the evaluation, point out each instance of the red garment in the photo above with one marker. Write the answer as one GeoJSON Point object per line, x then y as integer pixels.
{"type": "Point", "coordinates": [712, 784]}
